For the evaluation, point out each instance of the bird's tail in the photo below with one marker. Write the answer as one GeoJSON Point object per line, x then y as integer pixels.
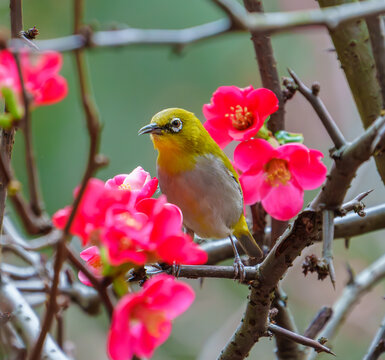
{"type": "Point", "coordinates": [246, 240]}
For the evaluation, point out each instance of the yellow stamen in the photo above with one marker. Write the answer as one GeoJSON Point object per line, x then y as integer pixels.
{"type": "Point", "coordinates": [277, 172]}
{"type": "Point", "coordinates": [241, 118]}
{"type": "Point", "coordinates": [124, 187]}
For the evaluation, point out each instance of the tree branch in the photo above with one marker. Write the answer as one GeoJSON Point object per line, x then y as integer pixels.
{"type": "Point", "coordinates": [319, 322]}
{"type": "Point", "coordinates": [351, 295]}
{"type": "Point", "coordinates": [275, 329]}
{"type": "Point", "coordinates": [12, 301]}
{"type": "Point", "coordinates": [312, 97]}
{"type": "Point", "coordinates": [376, 30]}
{"type": "Point", "coordinates": [94, 162]}
{"type": "Point", "coordinates": [355, 55]}
{"type": "Point", "coordinates": [377, 347]}
{"type": "Point", "coordinates": [330, 17]}
{"type": "Point", "coordinates": [349, 226]}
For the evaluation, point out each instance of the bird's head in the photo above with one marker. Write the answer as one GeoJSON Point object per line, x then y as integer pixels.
{"type": "Point", "coordinates": [174, 128]}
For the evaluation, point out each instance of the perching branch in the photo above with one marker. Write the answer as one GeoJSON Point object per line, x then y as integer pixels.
{"type": "Point", "coordinates": [351, 295]}
{"type": "Point", "coordinates": [349, 226]}
{"type": "Point", "coordinates": [211, 271]}
{"type": "Point", "coordinates": [311, 95]}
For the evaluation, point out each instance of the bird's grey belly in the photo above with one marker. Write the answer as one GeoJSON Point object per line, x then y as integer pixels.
{"type": "Point", "coordinates": [209, 197]}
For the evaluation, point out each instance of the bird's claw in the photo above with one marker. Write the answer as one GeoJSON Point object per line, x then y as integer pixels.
{"type": "Point", "coordinates": [175, 270]}
{"type": "Point", "coordinates": [239, 269]}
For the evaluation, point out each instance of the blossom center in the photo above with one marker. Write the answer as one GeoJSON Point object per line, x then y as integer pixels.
{"type": "Point", "coordinates": [124, 187]}
{"type": "Point", "coordinates": [130, 221]}
{"type": "Point", "coordinates": [241, 118]}
{"type": "Point", "coordinates": [277, 172]}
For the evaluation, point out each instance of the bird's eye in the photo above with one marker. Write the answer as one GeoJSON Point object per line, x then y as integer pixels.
{"type": "Point", "coordinates": [176, 124]}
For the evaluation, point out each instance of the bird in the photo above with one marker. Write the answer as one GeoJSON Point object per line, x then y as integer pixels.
{"type": "Point", "coordinates": [196, 175]}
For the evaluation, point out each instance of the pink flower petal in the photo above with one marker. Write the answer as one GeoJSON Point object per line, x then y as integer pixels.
{"type": "Point", "coordinates": [218, 132]}
{"type": "Point", "coordinates": [251, 184]}
{"type": "Point", "coordinates": [263, 101]}
{"type": "Point", "coordinates": [283, 202]}
{"type": "Point", "coordinates": [253, 154]}
{"type": "Point", "coordinates": [53, 90]}
{"type": "Point", "coordinates": [223, 98]}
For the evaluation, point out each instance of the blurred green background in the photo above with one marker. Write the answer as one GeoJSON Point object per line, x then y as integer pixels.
{"type": "Point", "coordinates": [130, 85]}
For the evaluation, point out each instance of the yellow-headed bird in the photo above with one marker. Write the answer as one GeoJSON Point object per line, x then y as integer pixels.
{"type": "Point", "coordinates": [195, 174]}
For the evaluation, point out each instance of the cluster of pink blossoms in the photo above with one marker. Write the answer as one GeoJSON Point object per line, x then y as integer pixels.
{"type": "Point", "coordinates": [40, 74]}
{"type": "Point", "coordinates": [127, 229]}
{"type": "Point", "coordinates": [274, 176]}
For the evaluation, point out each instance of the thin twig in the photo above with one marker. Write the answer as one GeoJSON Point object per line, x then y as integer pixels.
{"type": "Point", "coordinates": [36, 202]}
{"type": "Point", "coordinates": [98, 285]}
{"type": "Point", "coordinates": [327, 238]}
{"type": "Point", "coordinates": [377, 347]}
{"type": "Point", "coordinates": [300, 339]}
{"type": "Point", "coordinates": [319, 322]}
{"type": "Point", "coordinates": [33, 224]}
{"type": "Point", "coordinates": [94, 162]}
{"type": "Point", "coordinates": [351, 295]}
{"type": "Point", "coordinates": [321, 110]}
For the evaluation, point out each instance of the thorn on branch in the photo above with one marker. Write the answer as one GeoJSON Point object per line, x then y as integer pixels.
{"type": "Point", "coordinates": [355, 205]}
{"type": "Point", "coordinates": [316, 345]}
{"type": "Point", "coordinates": [328, 237]}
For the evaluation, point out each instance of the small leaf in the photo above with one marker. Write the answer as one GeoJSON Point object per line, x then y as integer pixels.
{"type": "Point", "coordinates": [285, 137]}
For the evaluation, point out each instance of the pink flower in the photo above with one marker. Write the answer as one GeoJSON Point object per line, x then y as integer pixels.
{"type": "Point", "coordinates": [142, 321]}
{"type": "Point", "coordinates": [278, 176]}
{"type": "Point", "coordinates": [172, 245]}
{"type": "Point", "coordinates": [92, 257]}
{"type": "Point", "coordinates": [126, 236]}
{"type": "Point", "coordinates": [237, 114]}
{"type": "Point", "coordinates": [151, 233]}
{"type": "Point", "coordinates": [139, 182]}
{"type": "Point", "coordinates": [91, 213]}
{"type": "Point", "coordinates": [40, 75]}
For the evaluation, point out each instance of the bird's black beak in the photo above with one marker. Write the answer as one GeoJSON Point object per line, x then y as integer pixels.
{"type": "Point", "coordinates": [150, 129]}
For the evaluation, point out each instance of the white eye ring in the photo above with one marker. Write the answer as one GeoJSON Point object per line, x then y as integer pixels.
{"type": "Point", "coordinates": [176, 124]}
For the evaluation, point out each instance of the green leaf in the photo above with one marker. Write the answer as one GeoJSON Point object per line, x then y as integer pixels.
{"type": "Point", "coordinates": [285, 137]}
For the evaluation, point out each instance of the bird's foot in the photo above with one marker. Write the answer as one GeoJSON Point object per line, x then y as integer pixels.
{"type": "Point", "coordinates": [175, 270]}
{"type": "Point", "coordinates": [239, 269]}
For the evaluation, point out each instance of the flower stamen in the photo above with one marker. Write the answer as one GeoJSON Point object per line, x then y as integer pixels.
{"type": "Point", "coordinates": [241, 118]}
{"type": "Point", "coordinates": [277, 172]}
